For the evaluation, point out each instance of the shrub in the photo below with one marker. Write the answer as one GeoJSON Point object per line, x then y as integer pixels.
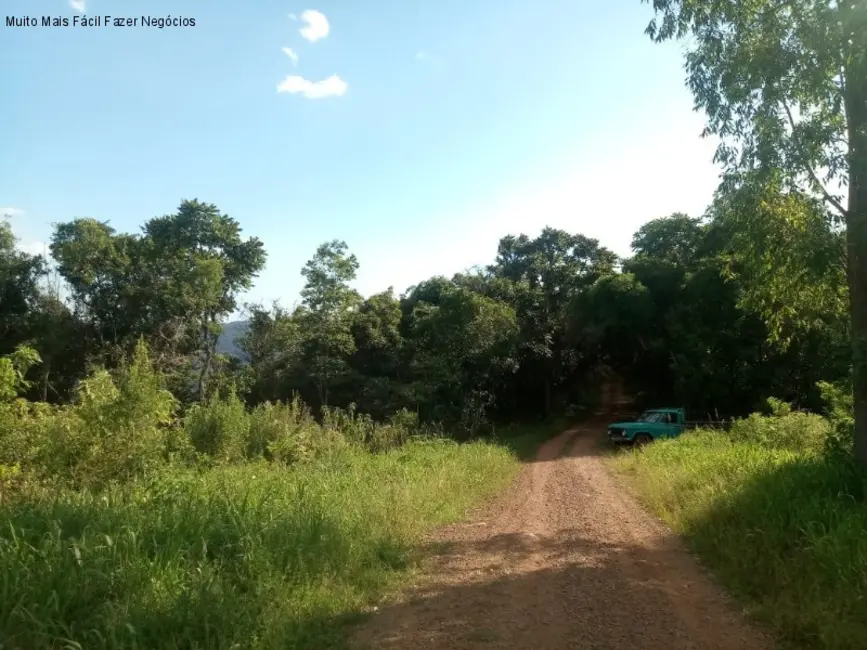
{"type": "Point", "coordinates": [783, 429]}
{"type": "Point", "coordinates": [219, 428]}
{"type": "Point", "coordinates": [288, 433]}
{"type": "Point", "coordinates": [13, 369]}
{"type": "Point", "coordinates": [115, 430]}
{"type": "Point", "coordinates": [841, 415]}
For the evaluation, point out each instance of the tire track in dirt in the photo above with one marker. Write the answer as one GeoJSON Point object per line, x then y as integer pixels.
{"type": "Point", "coordinates": [564, 559]}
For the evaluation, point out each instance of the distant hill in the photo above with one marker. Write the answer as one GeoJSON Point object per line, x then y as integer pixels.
{"type": "Point", "coordinates": [231, 332]}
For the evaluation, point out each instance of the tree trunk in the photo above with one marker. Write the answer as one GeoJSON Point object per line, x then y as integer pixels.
{"type": "Point", "coordinates": [46, 373]}
{"type": "Point", "coordinates": [210, 344]}
{"type": "Point", "coordinates": [856, 239]}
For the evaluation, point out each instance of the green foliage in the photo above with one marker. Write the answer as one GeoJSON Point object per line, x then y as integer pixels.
{"type": "Point", "coordinates": [787, 254]}
{"type": "Point", "coordinates": [19, 290]}
{"type": "Point", "coordinates": [784, 429]}
{"type": "Point", "coordinates": [772, 77]}
{"type": "Point", "coordinates": [288, 433]}
{"type": "Point", "coordinates": [126, 526]}
{"type": "Point", "coordinates": [219, 428]}
{"type": "Point", "coordinates": [841, 415]}
{"type": "Point", "coordinates": [252, 556]}
{"type": "Point", "coordinates": [170, 285]}
{"type": "Point", "coordinates": [327, 319]}
{"type": "Point", "coordinates": [783, 86]}
{"type": "Point", "coordinates": [116, 429]}
{"type": "Point", "coordinates": [13, 369]}
{"type": "Point", "coordinates": [781, 525]}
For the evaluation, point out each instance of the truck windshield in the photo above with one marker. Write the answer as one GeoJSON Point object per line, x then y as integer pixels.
{"type": "Point", "coordinates": [651, 416]}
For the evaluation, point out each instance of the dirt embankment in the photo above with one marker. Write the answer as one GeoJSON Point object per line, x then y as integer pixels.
{"type": "Point", "coordinates": [564, 559]}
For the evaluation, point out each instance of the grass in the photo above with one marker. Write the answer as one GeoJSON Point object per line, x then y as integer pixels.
{"type": "Point", "coordinates": [783, 527]}
{"type": "Point", "coordinates": [250, 556]}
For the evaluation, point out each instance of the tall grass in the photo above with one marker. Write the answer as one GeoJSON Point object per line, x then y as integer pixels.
{"type": "Point", "coordinates": [126, 524]}
{"type": "Point", "coordinates": [248, 556]}
{"type": "Point", "coordinates": [781, 522]}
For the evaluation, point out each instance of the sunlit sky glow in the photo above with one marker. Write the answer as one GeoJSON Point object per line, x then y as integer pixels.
{"type": "Point", "coordinates": [418, 131]}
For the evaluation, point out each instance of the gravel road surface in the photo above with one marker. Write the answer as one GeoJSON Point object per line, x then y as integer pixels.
{"type": "Point", "coordinates": [564, 559]}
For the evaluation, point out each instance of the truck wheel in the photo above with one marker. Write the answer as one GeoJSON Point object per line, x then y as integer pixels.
{"type": "Point", "coordinates": [641, 439]}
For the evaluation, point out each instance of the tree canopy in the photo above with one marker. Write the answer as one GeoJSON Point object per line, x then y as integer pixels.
{"type": "Point", "coordinates": [784, 85]}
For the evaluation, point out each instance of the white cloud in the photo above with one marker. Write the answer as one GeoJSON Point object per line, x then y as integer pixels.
{"type": "Point", "coordinates": [11, 212]}
{"type": "Point", "coordinates": [79, 5]}
{"type": "Point", "coordinates": [315, 25]}
{"type": "Point", "coordinates": [292, 54]}
{"type": "Point", "coordinates": [333, 86]}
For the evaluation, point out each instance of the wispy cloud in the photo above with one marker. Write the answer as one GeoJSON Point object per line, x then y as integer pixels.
{"type": "Point", "coordinates": [79, 5]}
{"type": "Point", "coordinates": [11, 212]}
{"type": "Point", "coordinates": [293, 17]}
{"type": "Point", "coordinates": [315, 25]}
{"type": "Point", "coordinates": [333, 86]}
{"type": "Point", "coordinates": [421, 54]}
{"type": "Point", "coordinates": [292, 54]}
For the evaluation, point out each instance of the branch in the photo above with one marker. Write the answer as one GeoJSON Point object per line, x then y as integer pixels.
{"type": "Point", "coordinates": [816, 182]}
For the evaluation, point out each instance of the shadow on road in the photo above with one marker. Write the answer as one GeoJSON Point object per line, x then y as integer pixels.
{"type": "Point", "coordinates": [538, 593]}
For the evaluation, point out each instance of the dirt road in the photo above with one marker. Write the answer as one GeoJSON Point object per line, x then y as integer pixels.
{"type": "Point", "coordinates": [564, 559]}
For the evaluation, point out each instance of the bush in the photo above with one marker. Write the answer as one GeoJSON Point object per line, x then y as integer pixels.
{"type": "Point", "coordinates": [123, 526]}
{"type": "Point", "coordinates": [219, 428]}
{"type": "Point", "coordinates": [360, 429]}
{"type": "Point", "coordinates": [841, 416]}
{"type": "Point", "coordinates": [116, 429]}
{"type": "Point", "coordinates": [288, 433]}
{"type": "Point", "coordinates": [783, 429]}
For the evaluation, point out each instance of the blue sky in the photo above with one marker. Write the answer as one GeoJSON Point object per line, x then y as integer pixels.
{"type": "Point", "coordinates": [441, 126]}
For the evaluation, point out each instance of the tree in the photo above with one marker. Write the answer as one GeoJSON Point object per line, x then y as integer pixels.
{"type": "Point", "coordinates": [379, 354]}
{"type": "Point", "coordinates": [199, 263]}
{"type": "Point", "coordinates": [171, 284]}
{"type": "Point", "coordinates": [273, 344]}
{"type": "Point", "coordinates": [784, 83]}
{"type": "Point", "coordinates": [461, 344]}
{"type": "Point", "coordinates": [788, 256]}
{"type": "Point", "coordinates": [20, 274]}
{"type": "Point", "coordinates": [100, 268]}
{"type": "Point", "coordinates": [546, 273]}
{"type": "Point", "coordinates": [330, 305]}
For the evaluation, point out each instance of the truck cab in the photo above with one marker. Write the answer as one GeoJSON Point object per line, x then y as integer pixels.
{"type": "Point", "coordinates": [652, 425]}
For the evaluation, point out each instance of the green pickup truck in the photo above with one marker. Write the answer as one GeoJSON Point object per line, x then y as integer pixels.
{"type": "Point", "coordinates": [653, 424]}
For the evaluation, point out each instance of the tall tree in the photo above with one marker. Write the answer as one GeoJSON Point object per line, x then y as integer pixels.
{"type": "Point", "coordinates": [788, 255]}
{"type": "Point", "coordinates": [330, 306]}
{"type": "Point", "coordinates": [784, 83]}
{"type": "Point", "coordinates": [20, 274]}
{"type": "Point", "coordinates": [200, 263]}
{"type": "Point", "coordinates": [379, 353]}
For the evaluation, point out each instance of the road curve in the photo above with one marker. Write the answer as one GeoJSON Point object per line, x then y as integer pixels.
{"type": "Point", "coordinates": [564, 559]}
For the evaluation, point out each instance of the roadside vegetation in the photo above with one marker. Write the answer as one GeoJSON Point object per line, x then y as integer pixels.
{"type": "Point", "coordinates": [124, 525]}
{"type": "Point", "coordinates": [776, 508]}
{"type": "Point", "coordinates": [777, 505]}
